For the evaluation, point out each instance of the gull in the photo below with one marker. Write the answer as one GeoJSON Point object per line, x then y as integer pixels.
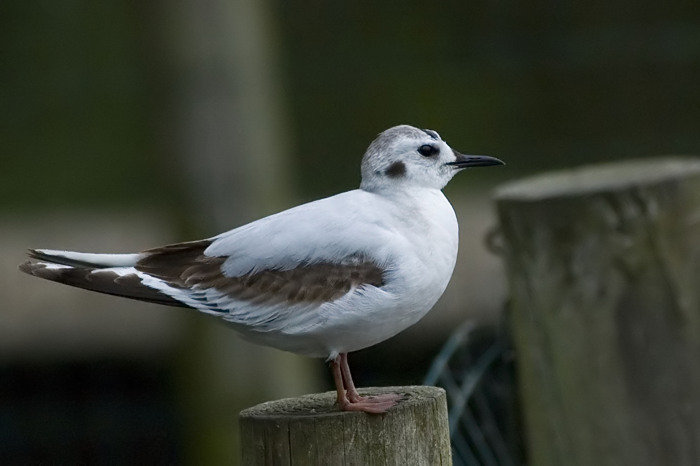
{"type": "Point", "coordinates": [321, 279]}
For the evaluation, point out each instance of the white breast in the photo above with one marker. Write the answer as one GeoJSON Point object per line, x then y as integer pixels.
{"type": "Point", "coordinates": [420, 244]}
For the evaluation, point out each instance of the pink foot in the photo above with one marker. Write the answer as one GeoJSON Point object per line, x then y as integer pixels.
{"type": "Point", "coordinates": [355, 397]}
{"type": "Point", "coordinates": [348, 398]}
{"type": "Point", "coordinates": [377, 404]}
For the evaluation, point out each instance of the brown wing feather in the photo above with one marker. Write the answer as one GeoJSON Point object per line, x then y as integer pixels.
{"type": "Point", "coordinates": [185, 265]}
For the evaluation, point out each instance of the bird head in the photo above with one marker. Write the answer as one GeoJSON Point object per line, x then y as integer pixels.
{"type": "Point", "coordinates": [416, 158]}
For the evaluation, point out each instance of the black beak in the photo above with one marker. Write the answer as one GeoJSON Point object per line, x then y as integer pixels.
{"type": "Point", "coordinates": [465, 161]}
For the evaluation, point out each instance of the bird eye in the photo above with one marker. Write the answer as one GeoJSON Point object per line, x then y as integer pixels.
{"type": "Point", "coordinates": [426, 150]}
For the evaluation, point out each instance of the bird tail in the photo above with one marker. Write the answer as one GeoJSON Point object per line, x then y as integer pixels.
{"type": "Point", "coordinates": [113, 274]}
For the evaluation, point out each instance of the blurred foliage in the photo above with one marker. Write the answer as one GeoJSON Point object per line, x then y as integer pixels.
{"type": "Point", "coordinates": [74, 94]}
{"type": "Point", "coordinates": [540, 85]}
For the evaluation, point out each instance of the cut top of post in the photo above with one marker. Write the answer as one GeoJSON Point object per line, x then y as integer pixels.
{"type": "Point", "coordinates": [608, 177]}
{"type": "Point", "coordinates": [310, 431]}
{"type": "Point", "coordinates": [320, 404]}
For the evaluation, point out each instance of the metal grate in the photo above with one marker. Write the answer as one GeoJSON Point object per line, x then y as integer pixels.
{"type": "Point", "coordinates": [476, 368]}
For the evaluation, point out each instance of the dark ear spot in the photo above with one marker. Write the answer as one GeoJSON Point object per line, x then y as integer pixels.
{"type": "Point", "coordinates": [396, 170]}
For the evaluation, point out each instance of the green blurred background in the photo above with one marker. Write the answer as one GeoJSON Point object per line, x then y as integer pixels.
{"type": "Point", "coordinates": [128, 124]}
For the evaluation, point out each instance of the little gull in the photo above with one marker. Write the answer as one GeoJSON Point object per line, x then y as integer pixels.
{"type": "Point", "coordinates": [321, 279]}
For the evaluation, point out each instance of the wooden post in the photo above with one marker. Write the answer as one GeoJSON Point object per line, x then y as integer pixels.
{"type": "Point", "coordinates": [310, 431]}
{"type": "Point", "coordinates": [604, 271]}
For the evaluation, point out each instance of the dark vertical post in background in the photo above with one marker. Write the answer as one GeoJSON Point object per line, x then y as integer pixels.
{"type": "Point", "coordinates": [227, 137]}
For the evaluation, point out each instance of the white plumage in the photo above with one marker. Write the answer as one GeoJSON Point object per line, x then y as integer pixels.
{"type": "Point", "coordinates": [322, 279]}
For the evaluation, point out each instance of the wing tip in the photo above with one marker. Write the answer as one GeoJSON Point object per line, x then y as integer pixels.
{"type": "Point", "coordinates": [39, 259]}
{"type": "Point", "coordinates": [99, 280]}
{"type": "Point", "coordinates": [28, 267]}
{"type": "Point", "coordinates": [47, 270]}
{"type": "Point", "coordinates": [32, 267]}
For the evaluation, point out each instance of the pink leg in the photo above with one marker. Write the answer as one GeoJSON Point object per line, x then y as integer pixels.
{"type": "Point", "coordinates": [338, 379]}
{"type": "Point", "coordinates": [349, 399]}
{"type": "Point", "coordinates": [352, 394]}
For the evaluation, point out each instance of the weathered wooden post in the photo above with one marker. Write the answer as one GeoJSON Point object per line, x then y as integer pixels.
{"type": "Point", "coordinates": [604, 271]}
{"type": "Point", "coordinates": [310, 431]}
